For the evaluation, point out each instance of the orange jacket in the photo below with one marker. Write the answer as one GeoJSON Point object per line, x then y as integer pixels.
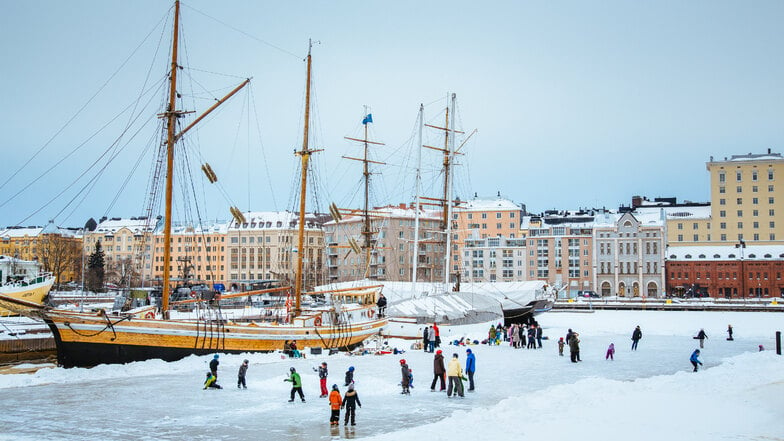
{"type": "Point", "coordinates": [334, 400]}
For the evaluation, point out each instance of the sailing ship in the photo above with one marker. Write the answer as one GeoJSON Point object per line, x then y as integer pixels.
{"type": "Point", "coordinates": [89, 338]}
{"type": "Point", "coordinates": [31, 289]}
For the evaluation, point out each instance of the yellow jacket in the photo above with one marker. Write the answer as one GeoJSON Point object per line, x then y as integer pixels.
{"type": "Point", "coordinates": [454, 369]}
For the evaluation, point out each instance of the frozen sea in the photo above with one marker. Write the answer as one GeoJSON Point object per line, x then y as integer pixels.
{"type": "Point", "coordinates": [521, 394]}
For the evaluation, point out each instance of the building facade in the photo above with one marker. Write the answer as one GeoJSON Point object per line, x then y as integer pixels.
{"type": "Point", "coordinates": [746, 198]}
{"type": "Point", "coordinates": [629, 253]}
{"type": "Point", "coordinates": [392, 255]}
{"type": "Point", "coordinates": [56, 249]}
{"type": "Point", "coordinates": [494, 259]}
{"type": "Point", "coordinates": [726, 271]}
{"type": "Point", "coordinates": [197, 254]}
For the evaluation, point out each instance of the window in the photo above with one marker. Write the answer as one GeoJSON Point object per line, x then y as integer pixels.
{"type": "Point", "coordinates": [738, 175]}
{"type": "Point", "coordinates": [722, 213]}
{"type": "Point", "coordinates": [740, 213]}
{"type": "Point", "coordinates": [680, 238]}
{"type": "Point", "coordinates": [771, 212]}
{"type": "Point", "coordinates": [680, 226]}
{"type": "Point", "coordinates": [722, 177]}
{"type": "Point", "coordinates": [772, 224]}
{"type": "Point", "coordinates": [755, 201]}
{"type": "Point", "coordinates": [756, 236]}
{"type": "Point", "coordinates": [754, 175]}
{"type": "Point", "coordinates": [484, 215]}
{"type": "Point", "coordinates": [498, 215]}
{"type": "Point", "coordinates": [770, 188]}
{"type": "Point", "coordinates": [696, 237]}
{"type": "Point", "coordinates": [740, 225]}
{"type": "Point", "coordinates": [755, 213]}
{"type": "Point", "coordinates": [722, 189]}
{"type": "Point", "coordinates": [739, 189]}
{"type": "Point", "coordinates": [470, 215]}
{"type": "Point", "coordinates": [511, 225]}
{"type": "Point", "coordinates": [740, 201]}
{"type": "Point", "coordinates": [723, 237]}
{"type": "Point", "coordinates": [770, 174]}
{"type": "Point", "coordinates": [722, 201]}
{"type": "Point", "coordinates": [770, 201]}
{"type": "Point", "coordinates": [755, 225]}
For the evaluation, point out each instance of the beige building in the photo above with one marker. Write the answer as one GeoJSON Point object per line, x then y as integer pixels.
{"type": "Point", "coordinates": [393, 246]}
{"type": "Point", "coordinates": [746, 198]}
{"type": "Point", "coordinates": [56, 249]}
{"type": "Point", "coordinates": [127, 247]}
{"type": "Point", "coordinates": [265, 247]}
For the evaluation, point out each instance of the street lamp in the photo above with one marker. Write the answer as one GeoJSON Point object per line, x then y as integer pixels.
{"type": "Point", "coordinates": [742, 245]}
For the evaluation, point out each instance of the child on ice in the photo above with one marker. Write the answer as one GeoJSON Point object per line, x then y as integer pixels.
{"type": "Point", "coordinates": [695, 359]}
{"type": "Point", "coordinates": [241, 375]}
{"type": "Point", "coordinates": [335, 402]}
{"type": "Point", "coordinates": [610, 352]}
{"type": "Point", "coordinates": [561, 346]}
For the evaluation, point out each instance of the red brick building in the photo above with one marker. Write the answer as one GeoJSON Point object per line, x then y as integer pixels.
{"type": "Point", "coordinates": [725, 271]}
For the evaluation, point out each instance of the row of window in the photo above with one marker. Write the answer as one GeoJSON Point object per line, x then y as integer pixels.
{"type": "Point", "coordinates": [754, 201]}
{"type": "Point", "coordinates": [739, 189]}
{"type": "Point", "coordinates": [739, 175]}
{"type": "Point", "coordinates": [723, 275]}
{"type": "Point", "coordinates": [498, 215]}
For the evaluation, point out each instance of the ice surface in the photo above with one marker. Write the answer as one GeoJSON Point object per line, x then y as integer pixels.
{"type": "Point", "coordinates": [521, 394]}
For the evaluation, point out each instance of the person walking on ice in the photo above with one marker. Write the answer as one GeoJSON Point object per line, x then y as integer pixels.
{"type": "Point", "coordinates": [335, 404]}
{"type": "Point", "coordinates": [241, 375]}
{"type": "Point", "coordinates": [695, 359]}
{"type": "Point", "coordinates": [350, 402]}
{"type": "Point", "coordinates": [455, 374]}
{"type": "Point", "coordinates": [610, 352]}
{"type": "Point", "coordinates": [296, 384]}
{"type": "Point", "coordinates": [701, 336]}
{"type": "Point", "coordinates": [438, 371]}
{"type": "Point", "coordinates": [470, 368]}
{"type": "Point", "coordinates": [406, 377]}
{"type": "Point", "coordinates": [323, 373]}
{"type": "Point", "coordinates": [636, 336]}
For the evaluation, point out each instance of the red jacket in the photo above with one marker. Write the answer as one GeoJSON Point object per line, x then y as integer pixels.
{"type": "Point", "coordinates": [334, 400]}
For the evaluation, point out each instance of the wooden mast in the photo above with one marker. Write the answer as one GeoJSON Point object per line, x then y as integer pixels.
{"type": "Point", "coordinates": [366, 175]}
{"type": "Point", "coordinates": [171, 120]}
{"type": "Point", "coordinates": [304, 155]}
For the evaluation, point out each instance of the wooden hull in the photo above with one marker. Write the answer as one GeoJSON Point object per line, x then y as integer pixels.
{"type": "Point", "coordinates": [33, 293]}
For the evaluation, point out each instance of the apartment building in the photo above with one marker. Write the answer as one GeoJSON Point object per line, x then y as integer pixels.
{"type": "Point", "coordinates": [197, 254]}
{"type": "Point", "coordinates": [127, 246]}
{"type": "Point", "coordinates": [392, 255]}
{"type": "Point", "coordinates": [494, 259]}
{"type": "Point", "coordinates": [265, 246]}
{"type": "Point", "coordinates": [56, 249]}
{"type": "Point", "coordinates": [746, 200]}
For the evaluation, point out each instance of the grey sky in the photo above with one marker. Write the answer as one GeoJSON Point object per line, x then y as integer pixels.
{"type": "Point", "coordinates": [577, 104]}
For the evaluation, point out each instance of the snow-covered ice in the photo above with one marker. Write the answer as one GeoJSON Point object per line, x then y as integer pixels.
{"type": "Point", "coordinates": [650, 394]}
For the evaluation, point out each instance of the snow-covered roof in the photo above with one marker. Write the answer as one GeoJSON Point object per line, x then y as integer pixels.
{"type": "Point", "coordinates": [393, 212]}
{"type": "Point", "coordinates": [725, 252]}
{"type": "Point", "coordinates": [273, 220]}
{"type": "Point", "coordinates": [135, 225]}
{"type": "Point", "coordinates": [646, 217]}
{"type": "Point", "coordinates": [217, 227]}
{"type": "Point", "coordinates": [12, 232]}
{"type": "Point", "coordinates": [757, 157]}
{"type": "Point", "coordinates": [488, 204]}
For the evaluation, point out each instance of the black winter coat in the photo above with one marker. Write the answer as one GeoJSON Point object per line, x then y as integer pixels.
{"type": "Point", "coordinates": [351, 400]}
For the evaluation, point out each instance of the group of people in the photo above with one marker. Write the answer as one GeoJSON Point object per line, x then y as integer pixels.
{"type": "Point", "coordinates": [454, 372]}
{"type": "Point", "coordinates": [521, 335]}
{"type": "Point", "coordinates": [212, 375]}
{"type": "Point", "coordinates": [431, 338]}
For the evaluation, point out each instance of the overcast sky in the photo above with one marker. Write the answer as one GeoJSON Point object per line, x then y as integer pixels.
{"type": "Point", "coordinates": [576, 104]}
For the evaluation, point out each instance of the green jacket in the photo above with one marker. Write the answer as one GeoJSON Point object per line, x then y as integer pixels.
{"type": "Point", "coordinates": [297, 382]}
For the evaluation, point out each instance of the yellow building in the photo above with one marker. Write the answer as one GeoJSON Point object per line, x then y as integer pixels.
{"type": "Point", "coordinates": [127, 247]}
{"type": "Point", "coordinates": [746, 200]}
{"type": "Point", "coordinates": [56, 249]}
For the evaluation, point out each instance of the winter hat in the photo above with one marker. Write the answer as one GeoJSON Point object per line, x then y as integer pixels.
{"type": "Point", "coordinates": [216, 356]}
{"type": "Point", "coordinates": [323, 363]}
{"type": "Point", "coordinates": [351, 368]}
{"type": "Point", "coordinates": [351, 386]}
{"type": "Point", "coordinates": [439, 351]}
{"type": "Point", "coordinates": [245, 362]}
{"type": "Point", "coordinates": [468, 350]}
{"type": "Point", "coordinates": [292, 369]}
{"type": "Point", "coordinates": [454, 355]}
{"type": "Point", "coordinates": [402, 361]}
{"type": "Point", "coordinates": [209, 373]}
{"type": "Point", "coordinates": [334, 387]}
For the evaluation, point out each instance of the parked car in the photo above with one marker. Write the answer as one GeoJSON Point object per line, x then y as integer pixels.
{"type": "Point", "coordinates": [588, 294]}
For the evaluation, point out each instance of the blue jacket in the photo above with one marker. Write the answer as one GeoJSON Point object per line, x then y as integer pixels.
{"type": "Point", "coordinates": [470, 363]}
{"type": "Point", "coordinates": [695, 357]}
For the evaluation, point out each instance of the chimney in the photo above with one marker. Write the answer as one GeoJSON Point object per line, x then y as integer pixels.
{"type": "Point", "coordinates": [636, 201]}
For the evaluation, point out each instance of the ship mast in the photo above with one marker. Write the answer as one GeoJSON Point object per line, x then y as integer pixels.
{"type": "Point", "coordinates": [415, 260]}
{"type": "Point", "coordinates": [367, 232]}
{"type": "Point", "coordinates": [304, 155]}
{"type": "Point", "coordinates": [171, 116]}
{"type": "Point", "coordinates": [448, 159]}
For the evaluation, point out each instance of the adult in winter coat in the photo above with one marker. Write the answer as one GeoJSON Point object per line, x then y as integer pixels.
{"type": "Point", "coordinates": [574, 347]}
{"type": "Point", "coordinates": [381, 304]}
{"type": "Point", "coordinates": [214, 365]}
{"type": "Point", "coordinates": [701, 336]}
{"type": "Point", "coordinates": [406, 377]}
{"type": "Point", "coordinates": [335, 403]}
{"type": "Point", "coordinates": [296, 384]}
{"type": "Point", "coordinates": [695, 359]}
{"type": "Point", "coordinates": [539, 336]}
{"type": "Point", "coordinates": [729, 332]}
{"type": "Point", "coordinates": [636, 336]}
{"type": "Point", "coordinates": [455, 374]}
{"type": "Point", "coordinates": [491, 335]}
{"type": "Point", "coordinates": [425, 338]}
{"type": "Point", "coordinates": [532, 337]}
{"type": "Point", "coordinates": [568, 335]}
{"type": "Point", "coordinates": [523, 331]}
{"type": "Point", "coordinates": [437, 333]}
{"type": "Point", "coordinates": [470, 368]}
{"type": "Point", "coordinates": [349, 375]}
{"type": "Point", "coordinates": [350, 402]}
{"type": "Point", "coordinates": [241, 375]}
{"type": "Point", "coordinates": [438, 371]}
{"type": "Point", "coordinates": [323, 372]}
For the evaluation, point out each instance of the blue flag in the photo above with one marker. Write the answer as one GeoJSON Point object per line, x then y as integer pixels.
{"type": "Point", "coordinates": [368, 119]}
